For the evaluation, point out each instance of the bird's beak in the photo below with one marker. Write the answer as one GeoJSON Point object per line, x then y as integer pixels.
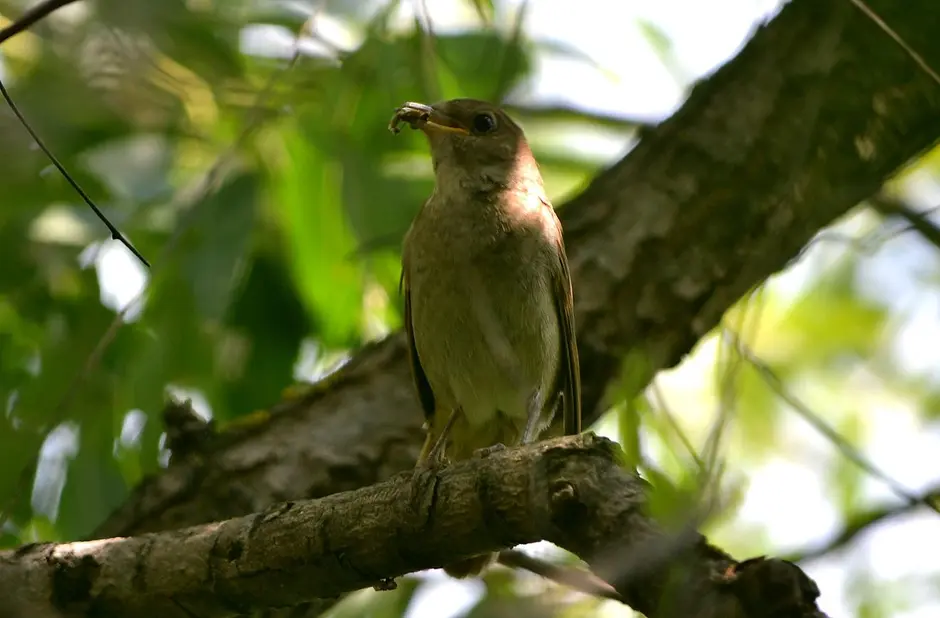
{"type": "Point", "coordinates": [425, 118]}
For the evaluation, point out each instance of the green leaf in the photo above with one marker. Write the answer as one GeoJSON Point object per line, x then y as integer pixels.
{"type": "Point", "coordinates": [831, 321]}
{"type": "Point", "coordinates": [206, 41]}
{"type": "Point", "coordinates": [663, 48]}
{"type": "Point", "coordinates": [61, 390]}
{"type": "Point", "coordinates": [178, 338]}
{"type": "Point", "coordinates": [628, 431]}
{"type": "Point", "coordinates": [210, 256]}
{"type": "Point", "coordinates": [656, 37]}
{"type": "Point", "coordinates": [268, 323]}
{"type": "Point", "coordinates": [308, 187]}
{"type": "Point", "coordinates": [472, 58]}
{"type": "Point", "coordinates": [567, 50]}
{"type": "Point", "coordinates": [486, 10]}
{"type": "Point", "coordinates": [94, 484]}
{"type": "Point", "coordinates": [757, 411]}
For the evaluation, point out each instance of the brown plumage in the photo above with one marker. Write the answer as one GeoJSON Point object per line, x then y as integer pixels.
{"type": "Point", "coordinates": [488, 301]}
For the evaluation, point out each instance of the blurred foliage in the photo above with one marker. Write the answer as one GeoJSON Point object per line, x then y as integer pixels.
{"type": "Point", "coordinates": [272, 203]}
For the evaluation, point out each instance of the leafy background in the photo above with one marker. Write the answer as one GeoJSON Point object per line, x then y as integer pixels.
{"type": "Point", "coordinates": [271, 200]}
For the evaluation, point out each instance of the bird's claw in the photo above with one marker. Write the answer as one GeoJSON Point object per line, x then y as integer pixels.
{"type": "Point", "coordinates": [423, 480]}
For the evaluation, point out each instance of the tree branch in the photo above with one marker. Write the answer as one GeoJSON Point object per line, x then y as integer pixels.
{"type": "Point", "coordinates": [570, 491]}
{"type": "Point", "coordinates": [918, 221]}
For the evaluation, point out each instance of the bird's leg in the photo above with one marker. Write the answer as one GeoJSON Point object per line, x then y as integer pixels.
{"type": "Point", "coordinates": [434, 457]}
{"type": "Point", "coordinates": [533, 416]}
{"type": "Point", "coordinates": [429, 462]}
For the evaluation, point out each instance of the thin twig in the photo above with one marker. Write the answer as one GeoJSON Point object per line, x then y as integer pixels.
{"type": "Point", "coordinates": [870, 242]}
{"type": "Point", "coordinates": [663, 408]}
{"type": "Point", "coordinates": [31, 16]}
{"type": "Point", "coordinates": [726, 393]}
{"type": "Point", "coordinates": [848, 450]}
{"type": "Point", "coordinates": [115, 233]}
{"type": "Point", "coordinates": [864, 8]}
{"type": "Point", "coordinates": [916, 220]}
{"type": "Point", "coordinates": [577, 579]}
{"type": "Point", "coordinates": [859, 523]}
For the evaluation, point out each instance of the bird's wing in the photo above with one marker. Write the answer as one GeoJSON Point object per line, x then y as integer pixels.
{"type": "Point", "coordinates": [568, 380]}
{"type": "Point", "coordinates": [423, 388]}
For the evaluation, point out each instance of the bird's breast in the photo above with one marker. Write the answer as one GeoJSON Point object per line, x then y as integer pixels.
{"type": "Point", "coordinates": [483, 317]}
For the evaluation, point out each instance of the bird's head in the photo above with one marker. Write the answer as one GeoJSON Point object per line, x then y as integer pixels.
{"type": "Point", "coordinates": [472, 142]}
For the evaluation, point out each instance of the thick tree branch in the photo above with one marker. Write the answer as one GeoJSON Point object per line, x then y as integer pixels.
{"type": "Point", "coordinates": [570, 491]}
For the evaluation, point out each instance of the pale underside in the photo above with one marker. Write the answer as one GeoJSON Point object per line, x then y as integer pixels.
{"type": "Point", "coordinates": [485, 326]}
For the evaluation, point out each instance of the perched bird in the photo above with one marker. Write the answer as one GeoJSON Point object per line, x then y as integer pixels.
{"type": "Point", "coordinates": [488, 300]}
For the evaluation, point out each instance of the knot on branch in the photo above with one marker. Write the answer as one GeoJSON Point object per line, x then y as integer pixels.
{"type": "Point", "coordinates": [187, 432]}
{"type": "Point", "coordinates": [773, 588]}
{"type": "Point", "coordinates": [72, 580]}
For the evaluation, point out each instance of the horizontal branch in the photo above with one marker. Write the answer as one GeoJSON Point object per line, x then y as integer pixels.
{"type": "Point", "coordinates": [570, 491]}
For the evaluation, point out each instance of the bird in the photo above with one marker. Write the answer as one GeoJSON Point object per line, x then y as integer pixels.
{"type": "Point", "coordinates": [488, 301]}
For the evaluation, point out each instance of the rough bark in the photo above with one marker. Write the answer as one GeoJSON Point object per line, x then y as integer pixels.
{"type": "Point", "coordinates": [570, 491]}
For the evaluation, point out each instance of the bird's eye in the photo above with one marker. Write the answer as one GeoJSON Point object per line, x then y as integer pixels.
{"type": "Point", "coordinates": [484, 123]}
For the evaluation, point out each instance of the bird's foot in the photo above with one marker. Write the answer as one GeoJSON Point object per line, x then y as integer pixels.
{"type": "Point", "coordinates": [424, 481]}
{"type": "Point", "coordinates": [482, 453]}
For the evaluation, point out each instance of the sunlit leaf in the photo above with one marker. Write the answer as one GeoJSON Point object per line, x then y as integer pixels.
{"type": "Point", "coordinates": [95, 486]}
{"type": "Point", "coordinates": [60, 390]}
{"type": "Point", "coordinates": [830, 321]}
{"type": "Point", "coordinates": [204, 40]}
{"type": "Point", "coordinates": [846, 478]}
{"type": "Point", "coordinates": [319, 241]}
{"type": "Point", "coordinates": [485, 10]}
{"type": "Point", "coordinates": [662, 45]}
{"type": "Point", "coordinates": [757, 411]}
{"type": "Point", "coordinates": [266, 325]}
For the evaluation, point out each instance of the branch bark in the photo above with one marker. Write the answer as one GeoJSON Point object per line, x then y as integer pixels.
{"type": "Point", "coordinates": [570, 491]}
